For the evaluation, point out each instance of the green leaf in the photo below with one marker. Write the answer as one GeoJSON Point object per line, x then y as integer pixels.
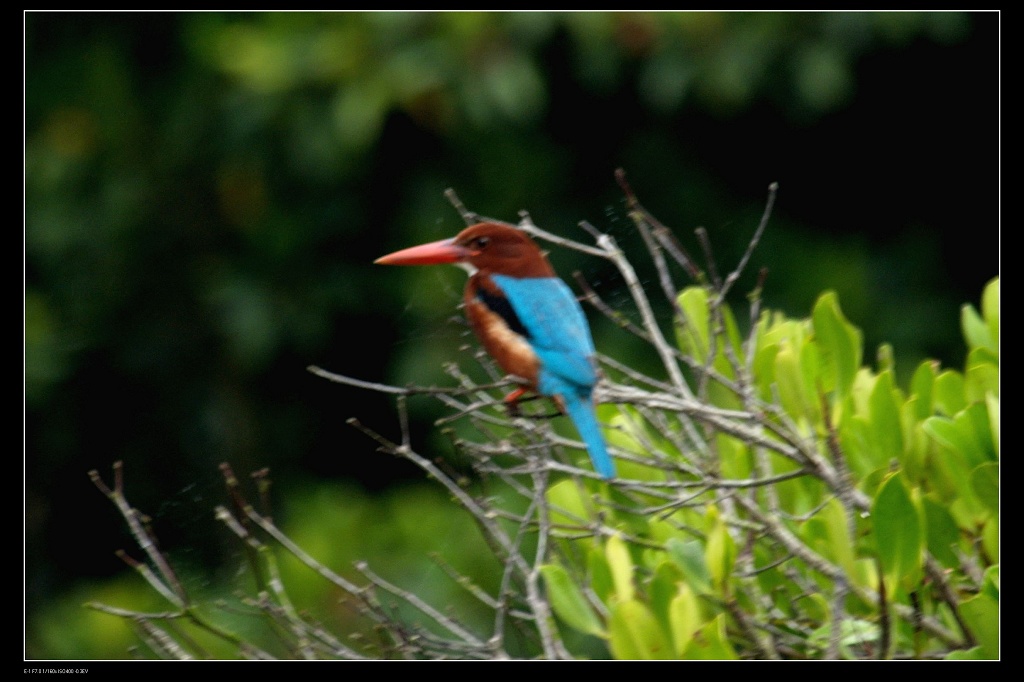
{"type": "Point", "coordinates": [839, 341]}
{"type": "Point", "coordinates": [898, 532]}
{"type": "Point", "coordinates": [816, 607]}
{"type": "Point", "coordinates": [992, 404]}
{"type": "Point", "coordinates": [635, 634]}
{"type": "Point", "coordinates": [981, 375]}
{"type": "Point", "coordinates": [886, 358]}
{"type": "Point", "coordinates": [916, 444]}
{"type": "Point", "coordinates": [720, 552]}
{"type": "Point", "coordinates": [857, 438]}
{"type": "Point", "coordinates": [975, 331]}
{"type": "Point", "coordinates": [663, 586]}
{"type": "Point", "coordinates": [621, 565]}
{"type": "Point", "coordinates": [734, 338]}
{"type": "Point", "coordinates": [789, 383]}
{"type": "Point", "coordinates": [956, 458]}
{"type": "Point", "coordinates": [942, 532]}
{"type": "Point", "coordinates": [982, 331]}
{"type": "Point", "coordinates": [695, 335]}
{"type": "Point", "coordinates": [711, 643]}
{"type": "Point", "coordinates": [886, 429]}
{"type": "Point", "coordinates": [990, 537]}
{"type": "Point", "coordinates": [990, 311]}
{"type": "Point", "coordinates": [948, 433]}
{"type": "Point", "coordinates": [568, 601]}
{"type": "Point", "coordinates": [949, 392]}
{"type": "Point", "coordinates": [990, 585]}
{"type": "Point", "coordinates": [828, 533]}
{"type": "Point", "coordinates": [684, 617]}
{"type": "Point", "coordinates": [569, 504]}
{"type": "Point", "coordinates": [981, 613]}
{"type": "Point", "coordinates": [981, 428]}
{"type": "Point", "coordinates": [968, 434]}
{"type": "Point", "coordinates": [601, 581]}
{"type": "Point", "coordinates": [810, 380]}
{"type": "Point", "coordinates": [985, 484]}
{"type": "Point", "coordinates": [734, 456]}
{"type": "Point", "coordinates": [689, 556]}
{"type": "Point", "coordinates": [922, 386]}
{"type": "Point", "coordinates": [853, 632]}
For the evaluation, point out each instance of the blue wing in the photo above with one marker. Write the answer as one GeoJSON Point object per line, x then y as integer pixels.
{"type": "Point", "coordinates": [557, 330]}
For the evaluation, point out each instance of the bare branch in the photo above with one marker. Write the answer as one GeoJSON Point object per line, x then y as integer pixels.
{"type": "Point", "coordinates": [754, 241]}
{"type": "Point", "coordinates": [143, 537]}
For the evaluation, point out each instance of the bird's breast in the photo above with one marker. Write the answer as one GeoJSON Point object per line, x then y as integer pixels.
{"type": "Point", "coordinates": [502, 334]}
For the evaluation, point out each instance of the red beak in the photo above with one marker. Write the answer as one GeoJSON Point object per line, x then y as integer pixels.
{"type": "Point", "coordinates": [444, 251]}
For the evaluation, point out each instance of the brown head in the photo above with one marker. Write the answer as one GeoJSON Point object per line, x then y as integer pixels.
{"type": "Point", "coordinates": [487, 247]}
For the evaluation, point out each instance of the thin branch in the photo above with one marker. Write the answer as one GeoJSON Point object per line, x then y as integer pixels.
{"type": "Point", "coordinates": [468, 216]}
{"type": "Point", "coordinates": [143, 537]}
{"type": "Point", "coordinates": [754, 241]}
{"type": "Point", "coordinates": [408, 390]}
{"type": "Point", "coordinates": [428, 610]}
{"type": "Point", "coordinates": [662, 233]}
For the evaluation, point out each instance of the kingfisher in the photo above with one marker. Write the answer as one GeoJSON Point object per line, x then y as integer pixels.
{"type": "Point", "coordinates": [526, 318]}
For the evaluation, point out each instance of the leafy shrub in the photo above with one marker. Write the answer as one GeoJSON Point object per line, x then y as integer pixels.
{"type": "Point", "coordinates": [776, 498]}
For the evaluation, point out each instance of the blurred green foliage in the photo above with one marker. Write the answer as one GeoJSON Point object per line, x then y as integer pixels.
{"type": "Point", "coordinates": [205, 192]}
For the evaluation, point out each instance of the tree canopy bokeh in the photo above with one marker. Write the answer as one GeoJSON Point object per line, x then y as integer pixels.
{"type": "Point", "coordinates": [205, 194]}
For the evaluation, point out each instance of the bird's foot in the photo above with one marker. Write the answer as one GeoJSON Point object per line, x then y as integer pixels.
{"type": "Point", "coordinates": [513, 399]}
{"type": "Point", "coordinates": [512, 402]}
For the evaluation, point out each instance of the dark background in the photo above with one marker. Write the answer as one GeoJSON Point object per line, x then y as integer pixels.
{"type": "Point", "coordinates": [205, 194]}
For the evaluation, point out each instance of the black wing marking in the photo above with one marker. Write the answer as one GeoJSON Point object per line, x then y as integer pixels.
{"type": "Point", "coordinates": [499, 305]}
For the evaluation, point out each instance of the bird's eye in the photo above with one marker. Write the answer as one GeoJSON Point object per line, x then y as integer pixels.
{"type": "Point", "coordinates": [480, 242]}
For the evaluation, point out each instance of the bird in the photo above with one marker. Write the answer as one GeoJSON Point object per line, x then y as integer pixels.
{"type": "Point", "coordinates": [527, 319]}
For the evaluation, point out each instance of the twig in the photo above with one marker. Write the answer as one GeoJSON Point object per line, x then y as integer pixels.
{"type": "Point", "coordinates": [733, 276]}
{"type": "Point", "coordinates": [160, 642]}
{"type": "Point", "coordinates": [665, 352]}
{"type": "Point", "coordinates": [664, 276]}
{"type": "Point", "coordinates": [468, 216]}
{"type": "Point", "coordinates": [539, 606]}
{"type": "Point", "coordinates": [406, 390]}
{"type": "Point", "coordinates": [662, 233]}
{"type": "Point", "coordinates": [435, 615]}
{"type": "Point", "coordinates": [143, 537]}
{"type": "Point", "coordinates": [709, 257]}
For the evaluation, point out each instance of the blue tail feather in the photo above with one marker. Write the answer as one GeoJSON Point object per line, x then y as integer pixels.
{"type": "Point", "coordinates": [581, 411]}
